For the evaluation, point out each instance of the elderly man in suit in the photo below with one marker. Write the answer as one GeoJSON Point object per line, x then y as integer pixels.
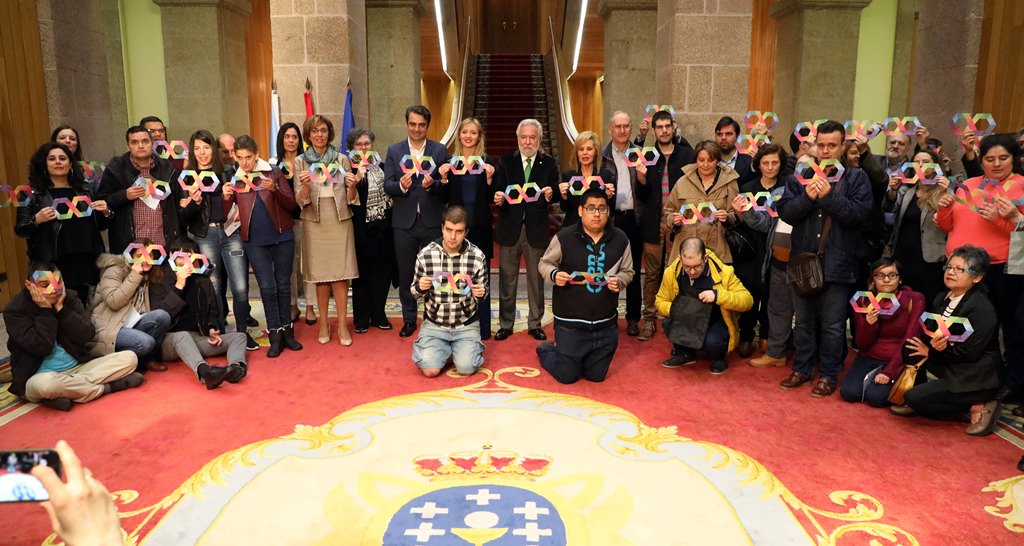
{"type": "Point", "coordinates": [524, 187]}
{"type": "Point", "coordinates": [411, 181]}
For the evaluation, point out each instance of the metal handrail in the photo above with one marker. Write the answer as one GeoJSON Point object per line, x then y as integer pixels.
{"type": "Point", "coordinates": [564, 106]}
{"type": "Point", "coordinates": [459, 99]}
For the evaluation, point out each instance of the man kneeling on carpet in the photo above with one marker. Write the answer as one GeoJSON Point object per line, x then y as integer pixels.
{"type": "Point", "coordinates": [451, 278]}
{"type": "Point", "coordinates": [48, 332]}
{"type": "Point", "coordinates": [194, 335]}
{"type": "Point", "coordinates": [704, 313]}
{"type": "Point", "coordinates": [589, 263]}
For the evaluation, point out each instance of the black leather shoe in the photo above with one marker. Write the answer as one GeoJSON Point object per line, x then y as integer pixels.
{"type": "Point", "coordinates": [276, 343]}
{"type": "Point", "coordinates": [632, 327]}
{"type": "Point", "coordinates": [537, 334]}
{"type": "Point", "coordinates": [407, 329]}
{"type": "Point", "coordinates": [502, 334]}
{"type": "Point", "coordinates": [212, 376]}
{"type": "Point", "coordinates": [252, 323]}
{"type": "Point", "coordinates": [236, 371]}
{"type": "Point", "coordinates": [289, 338]}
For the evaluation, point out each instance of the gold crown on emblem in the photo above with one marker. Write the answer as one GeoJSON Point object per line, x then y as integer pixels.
{"type": "Point", "coordinates": [486, 463]}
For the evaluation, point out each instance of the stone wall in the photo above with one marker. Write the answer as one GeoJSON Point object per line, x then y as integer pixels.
{"type": "Point", "coordinates": [393, 44]}
{"type": "Point", "coordinates": [629, 58]}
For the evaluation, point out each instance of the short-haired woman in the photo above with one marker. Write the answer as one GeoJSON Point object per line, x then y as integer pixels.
{"type": "Point", "coordinates": [706, 181]}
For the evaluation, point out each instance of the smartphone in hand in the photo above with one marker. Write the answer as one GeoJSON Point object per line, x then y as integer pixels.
{"type": "Point", "coordinates": [16, 484]}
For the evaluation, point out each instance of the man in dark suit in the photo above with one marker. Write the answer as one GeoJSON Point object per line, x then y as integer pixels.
{"type": "Point", "coordinates": [523, 224]}
{"type": "Point", "coordinates": [727, 131]}
{"type": "Point", "coordinates": [418, 202]}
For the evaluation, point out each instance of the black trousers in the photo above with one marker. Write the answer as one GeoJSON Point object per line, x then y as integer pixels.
{"type": "Point", "coordinates": [370, 290]}
{"type": "Point", "coordinates": [934, 399]}
{"type": "Point", "coordinates": [626, 221]}
{"type": "Point", "coordinates": [408, 243]}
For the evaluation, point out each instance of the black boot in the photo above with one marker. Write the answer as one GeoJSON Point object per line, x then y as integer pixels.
{"type": "Point", "coordinates": [236, 371]}
{"type": "Point", "coordinates": [289, 338]}
{"type": "Point", "coordinates": [276, 343]}
{"type": "Point", "coordinates": [211, 376]}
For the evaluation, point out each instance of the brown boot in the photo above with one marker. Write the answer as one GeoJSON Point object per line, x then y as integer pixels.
{"type": "Point", "coordinates": [647, 331]}
{"type": "Point", "coordinates": [767, 361]}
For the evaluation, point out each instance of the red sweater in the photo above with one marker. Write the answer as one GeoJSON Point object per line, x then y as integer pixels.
{"type": "Point", "coordinates": [884, 339]}
{"type": "Point", "coordinates": [966, 226]}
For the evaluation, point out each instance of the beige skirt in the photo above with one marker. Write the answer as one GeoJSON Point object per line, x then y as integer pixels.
{"type": "Point", "coordinates": [328, 247]}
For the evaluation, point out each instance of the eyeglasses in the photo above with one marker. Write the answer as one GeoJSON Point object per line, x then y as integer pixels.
{"type": "Point", "coordinates": [694, 268]}
{"type": "Point", "coordinates": [886, 276]}
{"type": "Point", "coordinates": [318, 131]}
{"type": "Point", "coordinates": [959, 270]}
{"type": "Point", "coordinates": [600, 211]}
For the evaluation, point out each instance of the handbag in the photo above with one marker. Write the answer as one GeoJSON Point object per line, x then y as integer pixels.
{"type": "Point", "coordinates": [904, 382]}
{"type": "Point", "coordinates": [806, 273]}
{"type": "Point", "coordinates": [739, 243]}
{"type": "Point", "coordinates": [1015, 259]}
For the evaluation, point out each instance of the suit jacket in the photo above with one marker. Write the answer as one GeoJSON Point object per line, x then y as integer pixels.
{"type": "Point", "coordinates": [430, 201]}
{"type": "Point", "coordinates": [511, 218]}
{"type": "Point", "coordinates": [745, 168]}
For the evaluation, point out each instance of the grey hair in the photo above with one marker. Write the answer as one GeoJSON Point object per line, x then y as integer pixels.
{"type": "Point", "coordinates": [976, 258]}
{"type": "Point", "coordinates": [693, 246]}
{"type": "Point", "coordinates": [534, 123]}
{"type": "Point", "coordinates": [618, 112]}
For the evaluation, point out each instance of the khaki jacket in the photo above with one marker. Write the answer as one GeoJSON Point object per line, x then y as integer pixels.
{"type": "Point", "coordinates": [689, 190]}
{"type": "Point", "coordinates": [112, 302]}
{"type": "Point", "coordinates": [311, 204]}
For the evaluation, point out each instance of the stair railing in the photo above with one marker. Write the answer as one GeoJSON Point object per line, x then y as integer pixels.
{"type": "Point", "coordinates": [562, 87]}
{"type": "Point", "coordinates": [459, 99]}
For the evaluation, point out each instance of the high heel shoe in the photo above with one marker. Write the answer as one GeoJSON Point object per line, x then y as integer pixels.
{"type": "Point", "coordinates": [345, 338]}
{"type": "Point", "coordinates": [310, 321]}
{"type": "Point", "coordinates": [324, 339]}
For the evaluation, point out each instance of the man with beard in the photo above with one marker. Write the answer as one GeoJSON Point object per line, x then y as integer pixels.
{"type": "Point", "coordinates": [727, 130]}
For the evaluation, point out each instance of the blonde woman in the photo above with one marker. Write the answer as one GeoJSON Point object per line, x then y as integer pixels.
{"type": "Point", "coordinates": [706, 181]}
{"type": "Point", "coordinates": [586, 155]}
{"type": "Point", "coordinates": [328, 239]}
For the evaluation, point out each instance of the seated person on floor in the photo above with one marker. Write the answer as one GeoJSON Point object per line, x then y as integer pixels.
{"type": "Point", "coordinates": [194, 334]}
{"type": "Point", "coordinates": [588, 262]}
{"type": "Point", "coordinates": [959, 379]}
{"type": "Point", "coordinates": [880, 334]}
{"type": "Point", "coordinates": [451, 279]}
{"type": "Point", "coordinates": [704, 314]}
{"type": "Point", "coordinates": [49, 332]}
{"type": "Point", "coordinates": [129, 310]}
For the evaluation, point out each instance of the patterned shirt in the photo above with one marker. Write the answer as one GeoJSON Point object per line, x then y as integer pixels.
{"type": "Point", "coordinates": [148, 222]}
{"type": "Point", "coordinates": [378, 203]}
{"type": "Point", "coordinates": [449, 308]}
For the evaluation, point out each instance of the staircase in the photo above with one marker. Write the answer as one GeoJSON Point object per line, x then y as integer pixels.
{"type": "Point", "coordinates": [509, 89]}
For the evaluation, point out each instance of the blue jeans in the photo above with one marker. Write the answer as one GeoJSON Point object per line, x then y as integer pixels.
{"type": "Point", "coordinates": [820, 331]}
{"type": "Point", "coordinates": [272, 265]}
{"type": "Point", "coordinates": [226, 252]}
{"type": "Point", "coordinates": [716, 339]}
{"type": "Point", "coordinates": [147, 334]}
{"type": "Point", "coordinates": [436, 343]}
{"type": "Point", "coordinates": [580, 353]}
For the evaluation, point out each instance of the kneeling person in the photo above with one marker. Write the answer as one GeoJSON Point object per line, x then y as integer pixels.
{"type": "Point", "coordinates": [703, 314]}
{"type": "Point", "coordinates": [451, 278]}
{"type": "Point", "coordinates": [589, 263]}
{"type": "Point", "coordinates": [49, 331]}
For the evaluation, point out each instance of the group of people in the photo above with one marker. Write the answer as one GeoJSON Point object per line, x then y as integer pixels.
{"type": "Point", "coordinates": [734, 247]}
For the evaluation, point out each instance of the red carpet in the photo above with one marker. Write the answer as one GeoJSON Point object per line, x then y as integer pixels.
{"type": "Point", "coordinates": [928, 476]}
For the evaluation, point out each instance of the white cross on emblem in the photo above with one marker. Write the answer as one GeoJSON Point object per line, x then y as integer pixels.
{"type": "Point", "coordinates": [531, 532]}
{"type": "Point", "coordinates": [424, 532]}
{"type": "Point", "coordinates": [483, 497]}
{"type": "Point", "coordinates": [429, 510]}
{"type": "Point", "coordinates": [531, 511]}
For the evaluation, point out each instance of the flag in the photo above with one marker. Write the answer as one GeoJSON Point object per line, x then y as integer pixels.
{"type": "Point", "coordinates": [308, 96]}
{"type": "Point", "coordinates": [275, 118]}
{"type": "Point", "coordinates": [348, 122]}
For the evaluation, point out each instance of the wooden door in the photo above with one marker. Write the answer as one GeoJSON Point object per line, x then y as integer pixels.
{"type": "Point", "coordinates": [510, 26]}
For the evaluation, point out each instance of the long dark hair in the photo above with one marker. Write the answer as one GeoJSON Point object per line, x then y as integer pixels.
{"type": "Point", "coordinates": [203, 135]}
{"type": "Point", "coordinates": [39, 175]}
{"type": "Point", "coordinates": [78, 155]}
{"type": "Point", "coordinates": [280, 140]}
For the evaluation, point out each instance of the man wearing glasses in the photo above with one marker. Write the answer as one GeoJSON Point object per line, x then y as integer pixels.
{"type": "Point", "coordinates": [701, 298]}
{"type": "Point", "coordinates": [588, 263]}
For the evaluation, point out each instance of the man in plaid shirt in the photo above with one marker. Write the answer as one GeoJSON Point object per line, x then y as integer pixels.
{"type": "Point", "coordinates": [451, 276]}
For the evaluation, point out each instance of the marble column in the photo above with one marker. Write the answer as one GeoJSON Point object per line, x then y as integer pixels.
{"type": "Point", "coordinates": [324, 41]}
{"type": "Point", "coordinates": [629, 58]}
{"type": "Point", "coordinates": [393, 58]}
{"type": "Point", "coordinates": [703, 60]}
{"type": "Point", "coordinates": [204, 62]}
{"type": "Point", "coordinates": [816, 59]}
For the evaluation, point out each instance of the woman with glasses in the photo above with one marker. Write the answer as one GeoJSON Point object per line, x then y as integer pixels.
{"type": "Point", "coordinates": [972, 217]}
{"type": "Point", "coordinates": [967, 370]}
{"type": "Point", "coordinates": [916, 241]}
{"type": "Point", "coordinates": [700, 203]}
{"type": "Point", "coordinates": [588, 149]}
{"type": "Point", "coordinates": [880, 333]}
{"type": "Point", "coordinates": [328, 239]}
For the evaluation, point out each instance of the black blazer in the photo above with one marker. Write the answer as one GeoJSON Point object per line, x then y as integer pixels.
{"type": "Point", "coordinates": [650, 193]}
{"type": "Point", "coordinates": [430, 200]}
{"type": "Point", "coordinates": [481, 229]}
{"type": "Point", "coordinates": [511, 218]}
{"type": "Point", "coordinates": [571, 203]}
{"type": "Point", "coordinates": [744, 167]}
{"type": "Point", "coordinates": [975, 364]}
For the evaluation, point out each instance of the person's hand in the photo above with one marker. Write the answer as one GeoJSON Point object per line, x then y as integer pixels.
{"type": "Point", "coordinates": [443, 170]}
{"type": "Point", "coordinates": [214, 338]}
{"type": "Point", "coordinates": [100, 206]}
{"type": "Point", "coordinates": [861, 142]}
{"type": "Point", "coordinates": [1007, 209]}
{"type": "Point", "coordinates": [940, 342]}
{"type": "Point", "coordinates": [562, 278]}
{"type": "Point", "coordinates": [45, 214]}
{"type": "Point", "coordinates": [872, 315]}
{"type": "Point", "coordinates": [917, 347]}
{"type": "Point", "coordinates": [563, 188]}
{"type": "Point", "coordinates": [968, 141]}
{"type": "Point", "coordinates": [37, 295]}
{"type": "Point", "coordinates": [406, 181]}
{"type": "Point", "coordinates": [499, 196]}
{"type": "Point", "coordinates": [196, 194]}
{"type": "Point", "coordinates": [425, 283]}
{"type": "Point", "coordinates": [741, 203]}
{"type": "Point", "coordinates": [946, 200]}
{"type": "Point", "coordinates": [894, 182]}
{"type": "Point", "coordinates": [721, 215]}
{"type": "Point", "coordinates": [641, 172]}
{"type": "Point", "coordinates": [760, 128]}
{"type": "Point", "coordinates": [489, 172]}
{"type": "Point", "coordinates": [677, 219]}
{"type": "Point", "coordinates": [922, 137]}
{"type": "Point", "coordinates": [614, 285]}
{"type": "Point", "coordinates": [135, 192]}
{"type": "Point", "coordinates": [227, 190]}
{"type": "Point", "coordinates": [427, 181]}
{"type": "Point", "coordinates": [181, 276]}
{"type": "Point", "coordinates": [137, 267]}
{"type": "Point", "coordinates": [942, 182]}
{"type": "Point", "coordinates": [707, 296]}
{"type": "Point", "coordinates": [609, 190]}
{"type": "Point", "coordinates": [946, 161]}
{"type": "Point", "coordinates": [478, 290]}
{"type": "Point", "coordinates": [645, 127]}
{"type": "Point", "coordinates": [824, 188]}
{"type": "Point", "coordinates": [548, 192]}
{"type": "Point", "coordinates": [882, 379]}
{"type": "Point", "coordinates": [268, 184]}
{"type": "Point", "coordinates": [60, 300]}
{"type": "Point", "coordinates": [989, 211]}
{"type": "Point", "coordinates": [81, 510]}
{"type": "Point", "coordinates": [304, 177]}
{"type": "Point", "coordinates": [811, 189]}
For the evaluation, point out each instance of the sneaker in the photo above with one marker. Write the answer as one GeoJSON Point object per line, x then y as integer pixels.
{"type": "Point", "coordinates": [767, 361]}
{"type": "Point", "coordinates": [362, 329]}
{"type": "Point", "coordinates": [718, 367]}
{"type": "Point", "coordinates": [647, 331]}
{"type": "Point", "coordinates": [983, 418]}
{"type": "Point", "coordinates": [59, 404]}
{"type": "Point", "coordinates": [250, 343]}
{"type": "Point", "coordinates": [680, 359]}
